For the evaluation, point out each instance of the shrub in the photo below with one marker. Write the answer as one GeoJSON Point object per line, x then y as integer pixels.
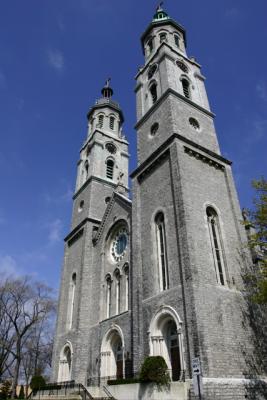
{"type": "Point", "coordinates": [37, 382]}
{"type": "Point", "coordinates": [154, 369]}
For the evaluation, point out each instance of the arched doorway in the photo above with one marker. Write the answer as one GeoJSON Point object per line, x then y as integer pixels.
{"type": "Point", "coordinates": [166, 340]}
{"type": "Point", "coordinates": [65, 362]}
{"type": "Point", "coordinates": [112, 354]}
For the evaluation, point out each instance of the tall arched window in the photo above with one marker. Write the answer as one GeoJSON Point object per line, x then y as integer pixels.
{"type": "Point", "coordinates": [71, 300]}
{"type": "Point", "coordinates": [162, 252]}
{"type": "Point", "coordinates": [126, 273]}
{"type": "Point", "coordinates": [216, 244]}
{"type": "Point", "coordinates": [110, 169]}
{"type": "Point", "coordinates": [118, 290]}
{"type": "Point", "coordinates": [163, 37]}
{"type": "Point", "coordinates": [153, 92]}
{"type": "Point", "coordinates": [100, 121]}
{"type": "Point", "coordinates": [186, 88]}
{"type": "Point", "coordinates": [111, 123]}
{"type": "Point", "coordinates": [108, 295]}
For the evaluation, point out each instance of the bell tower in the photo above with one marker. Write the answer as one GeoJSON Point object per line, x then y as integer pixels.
{"type": "Point", "coordinates": [187, 243]}
{"type": "Point", "coordinates": [102, 170]}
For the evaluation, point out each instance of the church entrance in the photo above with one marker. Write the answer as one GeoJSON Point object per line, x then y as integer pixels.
{"type": "Point", "coordinates": [174, 353]}
{"type": "Point", "coordinates": [119, 360]}
{"type": "Point", "coordinates": [64, 371]}
{"type": "Point", "coordinates": [112, 355]}
{"type": "Point", "coordinates": [165, 340]}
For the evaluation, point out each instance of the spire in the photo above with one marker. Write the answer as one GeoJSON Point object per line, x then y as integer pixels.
{"type": "Point", "coordinates": [160, 13]}
{"type": "Point", "coordinates": [107, 91]}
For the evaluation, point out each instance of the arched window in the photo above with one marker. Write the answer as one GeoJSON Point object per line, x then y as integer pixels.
{"type": "Point", "coordinates": [110, 169]}
{"type": "Point", "coordinates": [100, 121]}
{"type": "Point", "coordinates": [152, 70]}
{"type": "Point", "coordinates": [108, 295]}
{"type": "Point", "coordinates": [111, 123]}
{"type": "Point", "coordinates": [153, 92]}
{"type": "Point", "coordinates": [163, 37]}
{"type": "Point", "coordinates": [186, 88]}
{"type": "Point", "coordinates": [126, 273]}
{"type": "Point", "coordinates": [71, 300]}
{"type": "Point", "coordinates": [162, 252]}
{"type": "Point", "coordinates": [216, 244]}
{"type": "Point", "coordinates": [150, 46]}
{"type": "Point", "coordinates": [118, 290]}
{"type": "Point", "coordinates": [177, 40]}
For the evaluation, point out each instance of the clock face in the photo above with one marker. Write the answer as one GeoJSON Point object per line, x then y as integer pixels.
{"type": "Point", "coordinates": [119, 244]}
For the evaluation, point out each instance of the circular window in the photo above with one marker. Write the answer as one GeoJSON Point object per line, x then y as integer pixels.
{"type": "Point", "coordinates": [194, 123]}
{"type": "Point", "coordinates": [154, 129]}
{"type": "Point", "coordinates": [152, 70]}
{"type": "Point", "coordinates": [182, 66]}
{"type": "Point", "coordinates": [111, 148]}
{"type": "Point", "coordinates": [107, 200]}
{"type": "Point", "coordinates": [81, 205]}
{"type": "Point", "coordinates": [119, 244]}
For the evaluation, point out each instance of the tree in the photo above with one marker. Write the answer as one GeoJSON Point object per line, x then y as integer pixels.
{"type": "Point", "coordinates": [5, 389]}
{"type": "Point", "coordinates": [256, 224]}
{"type": "Point", "coordinates": [24, 304]}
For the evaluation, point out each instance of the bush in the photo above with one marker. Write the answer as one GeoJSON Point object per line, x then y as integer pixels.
{"type": "Point", "coordinates": [154, 369]}
{"type": "Point", "coordinates": [37, 382]}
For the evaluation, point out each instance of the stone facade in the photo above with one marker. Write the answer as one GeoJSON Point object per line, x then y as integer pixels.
{"type": "Point", "coordinates": [161, 274]}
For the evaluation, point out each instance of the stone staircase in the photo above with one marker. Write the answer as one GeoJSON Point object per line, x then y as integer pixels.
{"type": "Point", "coordinates": [71, 392]}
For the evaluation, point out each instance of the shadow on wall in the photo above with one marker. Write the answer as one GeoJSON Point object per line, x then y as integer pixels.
{"type": "Point", "coordinates": [255, 320]}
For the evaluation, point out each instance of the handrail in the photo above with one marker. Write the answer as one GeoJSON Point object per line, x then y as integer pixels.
{"type": "Point", "coordinates": [59, 388]}
{"type": "Point", "coordinates": [108, 392]}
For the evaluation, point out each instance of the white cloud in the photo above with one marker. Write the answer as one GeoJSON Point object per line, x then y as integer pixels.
{"type": "Point", "coordinates": [64, 197]}
{"type": "Point", "coordinates": [261, 90]}
{"type": "Point", "coordinates": [8, 267]}
{"type": "Point", "coordinates": [56, 59]}
{"type": "Point", "coordinates": [55, 231]}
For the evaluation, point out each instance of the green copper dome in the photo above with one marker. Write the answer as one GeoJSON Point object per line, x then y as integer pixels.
{"type": "Point", "coordinates": [160, 14]}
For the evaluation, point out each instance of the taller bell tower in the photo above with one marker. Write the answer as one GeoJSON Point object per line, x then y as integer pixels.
{"type": "Point", "coordinates": [188, 242]}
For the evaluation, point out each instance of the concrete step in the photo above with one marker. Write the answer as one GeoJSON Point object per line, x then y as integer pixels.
{"type": "Point", "coordinates": [97, 393]}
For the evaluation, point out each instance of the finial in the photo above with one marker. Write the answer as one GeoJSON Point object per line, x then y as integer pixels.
{"type": "Point", "coordinates": [107, 92]}
{"type": "Point", "coordinates": [108, 82]}
{"type": "Point", "coordinates": [159, 8]}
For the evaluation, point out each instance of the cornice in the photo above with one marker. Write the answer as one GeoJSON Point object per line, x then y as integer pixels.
{"type": "Point", "coordinates": [80, 225]}
{"type": "Point", "coordinates": [164, 146]}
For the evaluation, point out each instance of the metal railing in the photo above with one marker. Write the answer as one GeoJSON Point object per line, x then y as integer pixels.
{"type": "Point", "coordinates": [61, 389]}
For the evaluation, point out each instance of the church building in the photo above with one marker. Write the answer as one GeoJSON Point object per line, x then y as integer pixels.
{"type": "Point", "coordinates": [157, 272]}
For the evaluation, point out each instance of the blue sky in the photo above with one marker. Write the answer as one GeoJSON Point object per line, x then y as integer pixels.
{"type": "Point", "coordinates": [54, 58]}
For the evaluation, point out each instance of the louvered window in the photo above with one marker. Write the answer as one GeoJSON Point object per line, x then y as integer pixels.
{"type": "Point", "coordinates": [153, 92]}
{"type": "Point", "coordinates": [110, 169]}
{"type": "Point", "coordinates": [111, 122]}
{"type": "Point", "coordinates": [163, 37]}
{"type": "Point", "coordinates": [186, 88]}
{"type": "Point", "coordinates": [100, 121]}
